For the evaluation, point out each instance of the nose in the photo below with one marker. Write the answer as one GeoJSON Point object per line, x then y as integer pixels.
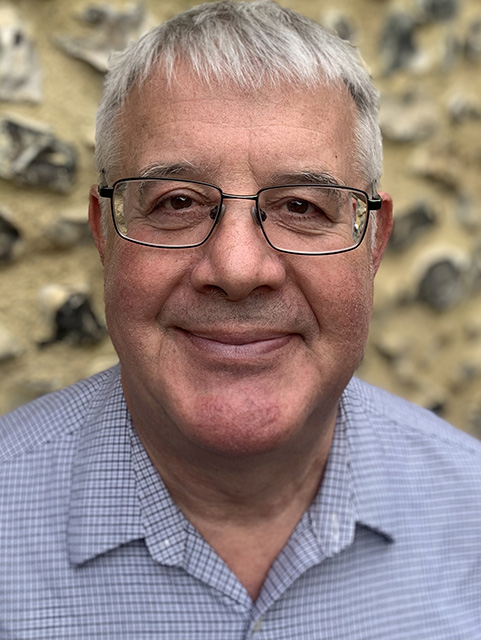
{"type": "Point", "coordinates": [237, 260]}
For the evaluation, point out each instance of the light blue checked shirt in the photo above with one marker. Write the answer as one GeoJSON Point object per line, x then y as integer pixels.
{"type": "Point", "coordinates": [92, 546]}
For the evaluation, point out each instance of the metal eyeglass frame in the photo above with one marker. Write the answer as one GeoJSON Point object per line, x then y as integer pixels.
{"type": "Point", "coordinates": [373, 204]}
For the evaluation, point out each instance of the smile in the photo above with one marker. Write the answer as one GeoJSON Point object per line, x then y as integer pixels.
{"type": "Point", "coordinates": [237, 346]}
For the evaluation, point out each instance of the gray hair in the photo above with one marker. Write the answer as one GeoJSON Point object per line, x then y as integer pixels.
{"type": "Point", "coordinates": [251, 45]}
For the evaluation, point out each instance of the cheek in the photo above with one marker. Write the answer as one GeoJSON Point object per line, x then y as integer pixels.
{"type": "Point", "coordinates": [124, 288]}
{"type": "Point", "coordinates": [138, 282]}
{"type": "Point", "coordinates": [341, 297]}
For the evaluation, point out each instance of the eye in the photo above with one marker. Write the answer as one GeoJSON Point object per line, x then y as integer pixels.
{"type": "Point", "coordinates": [298, 206]}
{"type": "Point", "coordinates": [178, 202]}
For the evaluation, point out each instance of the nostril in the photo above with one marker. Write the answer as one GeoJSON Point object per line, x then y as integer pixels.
{"type": "Point", "coordinates": [215, 291]}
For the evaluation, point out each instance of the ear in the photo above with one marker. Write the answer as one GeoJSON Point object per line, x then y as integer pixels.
{"type": "Point", "coordinates": [384, 223]}
{"type": "Point", "coordinates": [95, 222]}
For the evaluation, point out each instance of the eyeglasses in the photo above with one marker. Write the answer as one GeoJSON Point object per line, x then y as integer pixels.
{"type": "Point", "coordinates": [306, 219]}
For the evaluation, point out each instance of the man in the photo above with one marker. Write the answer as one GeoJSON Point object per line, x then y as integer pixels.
{"type": "Point", "coordinates": [230, 479]}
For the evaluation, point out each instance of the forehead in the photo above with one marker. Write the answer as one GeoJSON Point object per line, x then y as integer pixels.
{"type": "Point", "coordinates": [221, 130]}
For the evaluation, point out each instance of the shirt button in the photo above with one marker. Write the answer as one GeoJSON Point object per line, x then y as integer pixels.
{"type": "Point", "coordinates": [258, 625]}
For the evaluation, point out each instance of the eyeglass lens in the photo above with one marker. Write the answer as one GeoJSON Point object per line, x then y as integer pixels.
{"type": "Point", "coordinates": [173, 213]}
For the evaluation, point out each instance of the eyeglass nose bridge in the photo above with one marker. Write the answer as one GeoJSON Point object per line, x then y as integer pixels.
{"type": "Point", "coordinates": [255, 211]}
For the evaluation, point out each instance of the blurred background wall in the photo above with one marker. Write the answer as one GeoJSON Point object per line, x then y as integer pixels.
{"type": "Point", "coordinates": [425, 56]}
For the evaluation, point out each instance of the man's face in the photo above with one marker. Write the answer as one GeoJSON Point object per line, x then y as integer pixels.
{"type": "Point", "coordinates": [232, 346]}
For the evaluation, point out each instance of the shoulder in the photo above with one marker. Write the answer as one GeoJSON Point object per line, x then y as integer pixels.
{"type": "Point", "coordinates": [414, 435]}
{"type": "Point", "coordinates": [394, 417]}
{"type": "Point", "coordinates": [53, 416]}
{"type": "Point", "coordinates": [415, 476]}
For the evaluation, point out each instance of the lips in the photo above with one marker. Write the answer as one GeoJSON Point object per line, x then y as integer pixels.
{"type": "Point", "coordinates": [237, 345]}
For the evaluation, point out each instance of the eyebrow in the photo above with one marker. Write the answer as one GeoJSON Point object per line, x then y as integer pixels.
{"type": "Point", "coordinates": [305, 177]}
{"type": "Point", "coordinates": [185, 169]}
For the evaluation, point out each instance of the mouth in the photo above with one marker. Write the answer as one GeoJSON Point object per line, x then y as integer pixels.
{"type": "Point", "coordinates": [238, 346]}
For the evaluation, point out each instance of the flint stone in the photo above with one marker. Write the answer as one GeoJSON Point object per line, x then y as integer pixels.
{"type": "Point", "coordinates": [453, 49]}
{"type": "Point", "coordinates": [398, 47]}
{"type": "Point", "coordinates": [71, 313]}
{"type": "Point", "coordinates": [9, 346]}
{"type": "Point", "coordinates": [439, 10]}
{"type": "Point", "coordinates": [20, 73]}
{"type": "Point", "coordinates": [444, 279]}
{"type": "Point", "coordinates": [392, 344]}
{"type": "Point", "coordinates": [424, 392]}
{"type": "Point", "coordinates": [472, 43]}
{"type": "Point", "coordinates": [10, 238]}
{"type": "Point", "coordinates": [462, 107]}
{"type": "Point", "coordinates": [408, 118]}
{"type": "Point", "coordinates": [476, 270]}
{"type": "Point", "coordinates": [468, 368]}
{"type": "Point", "coordinates": [70, 230]}
{"type": "Point", "coordinates": [342, 25]}
{"type": "Point", "coordinates": [472, 329]}
{"type": "Point", "coordinates": [439, 164]}
{"type": "Point", "coordinates": [113, 29]}
{"type": "Point", "coordinates": [436, 404]}
{"type": "Point", "coordinates": [468, 212]}
{"type": "Point", "coordinates": [31, 155]}
{"type": "Point", "coordinates": [410, 224]}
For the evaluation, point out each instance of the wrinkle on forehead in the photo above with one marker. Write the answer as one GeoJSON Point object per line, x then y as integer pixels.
{"type": "Point", "coordinates": [188, 88]}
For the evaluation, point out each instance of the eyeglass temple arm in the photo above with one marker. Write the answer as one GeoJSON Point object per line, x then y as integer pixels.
{"type": "Point", "coordinates": [374, 204]}
{"type": "Point", "coordinates": [105, 192]}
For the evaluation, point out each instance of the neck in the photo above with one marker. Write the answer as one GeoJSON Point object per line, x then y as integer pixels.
{"type": "Point", "coordinates": [246, 508]}
{"type": "Point", "coordinates": [245, 490]}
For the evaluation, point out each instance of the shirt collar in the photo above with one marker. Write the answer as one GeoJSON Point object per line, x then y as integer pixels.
{"type": "Point", "coordinates": [356, 487]}
{"type": "Point", "coordinates": [165, 526]}
{"type": "Point", "coordinates": [374, 487]}
{"type": "Point", "coordinates": [116, 495]}
{"type": "Point", "coordinates": [104, 509]}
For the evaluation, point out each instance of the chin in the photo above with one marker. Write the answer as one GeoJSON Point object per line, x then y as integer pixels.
{"type": "Point", "coordinates": [239, 431]}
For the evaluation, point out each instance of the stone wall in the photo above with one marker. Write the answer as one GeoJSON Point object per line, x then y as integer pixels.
{"type": "Point", "coordinates": [425, 55]}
